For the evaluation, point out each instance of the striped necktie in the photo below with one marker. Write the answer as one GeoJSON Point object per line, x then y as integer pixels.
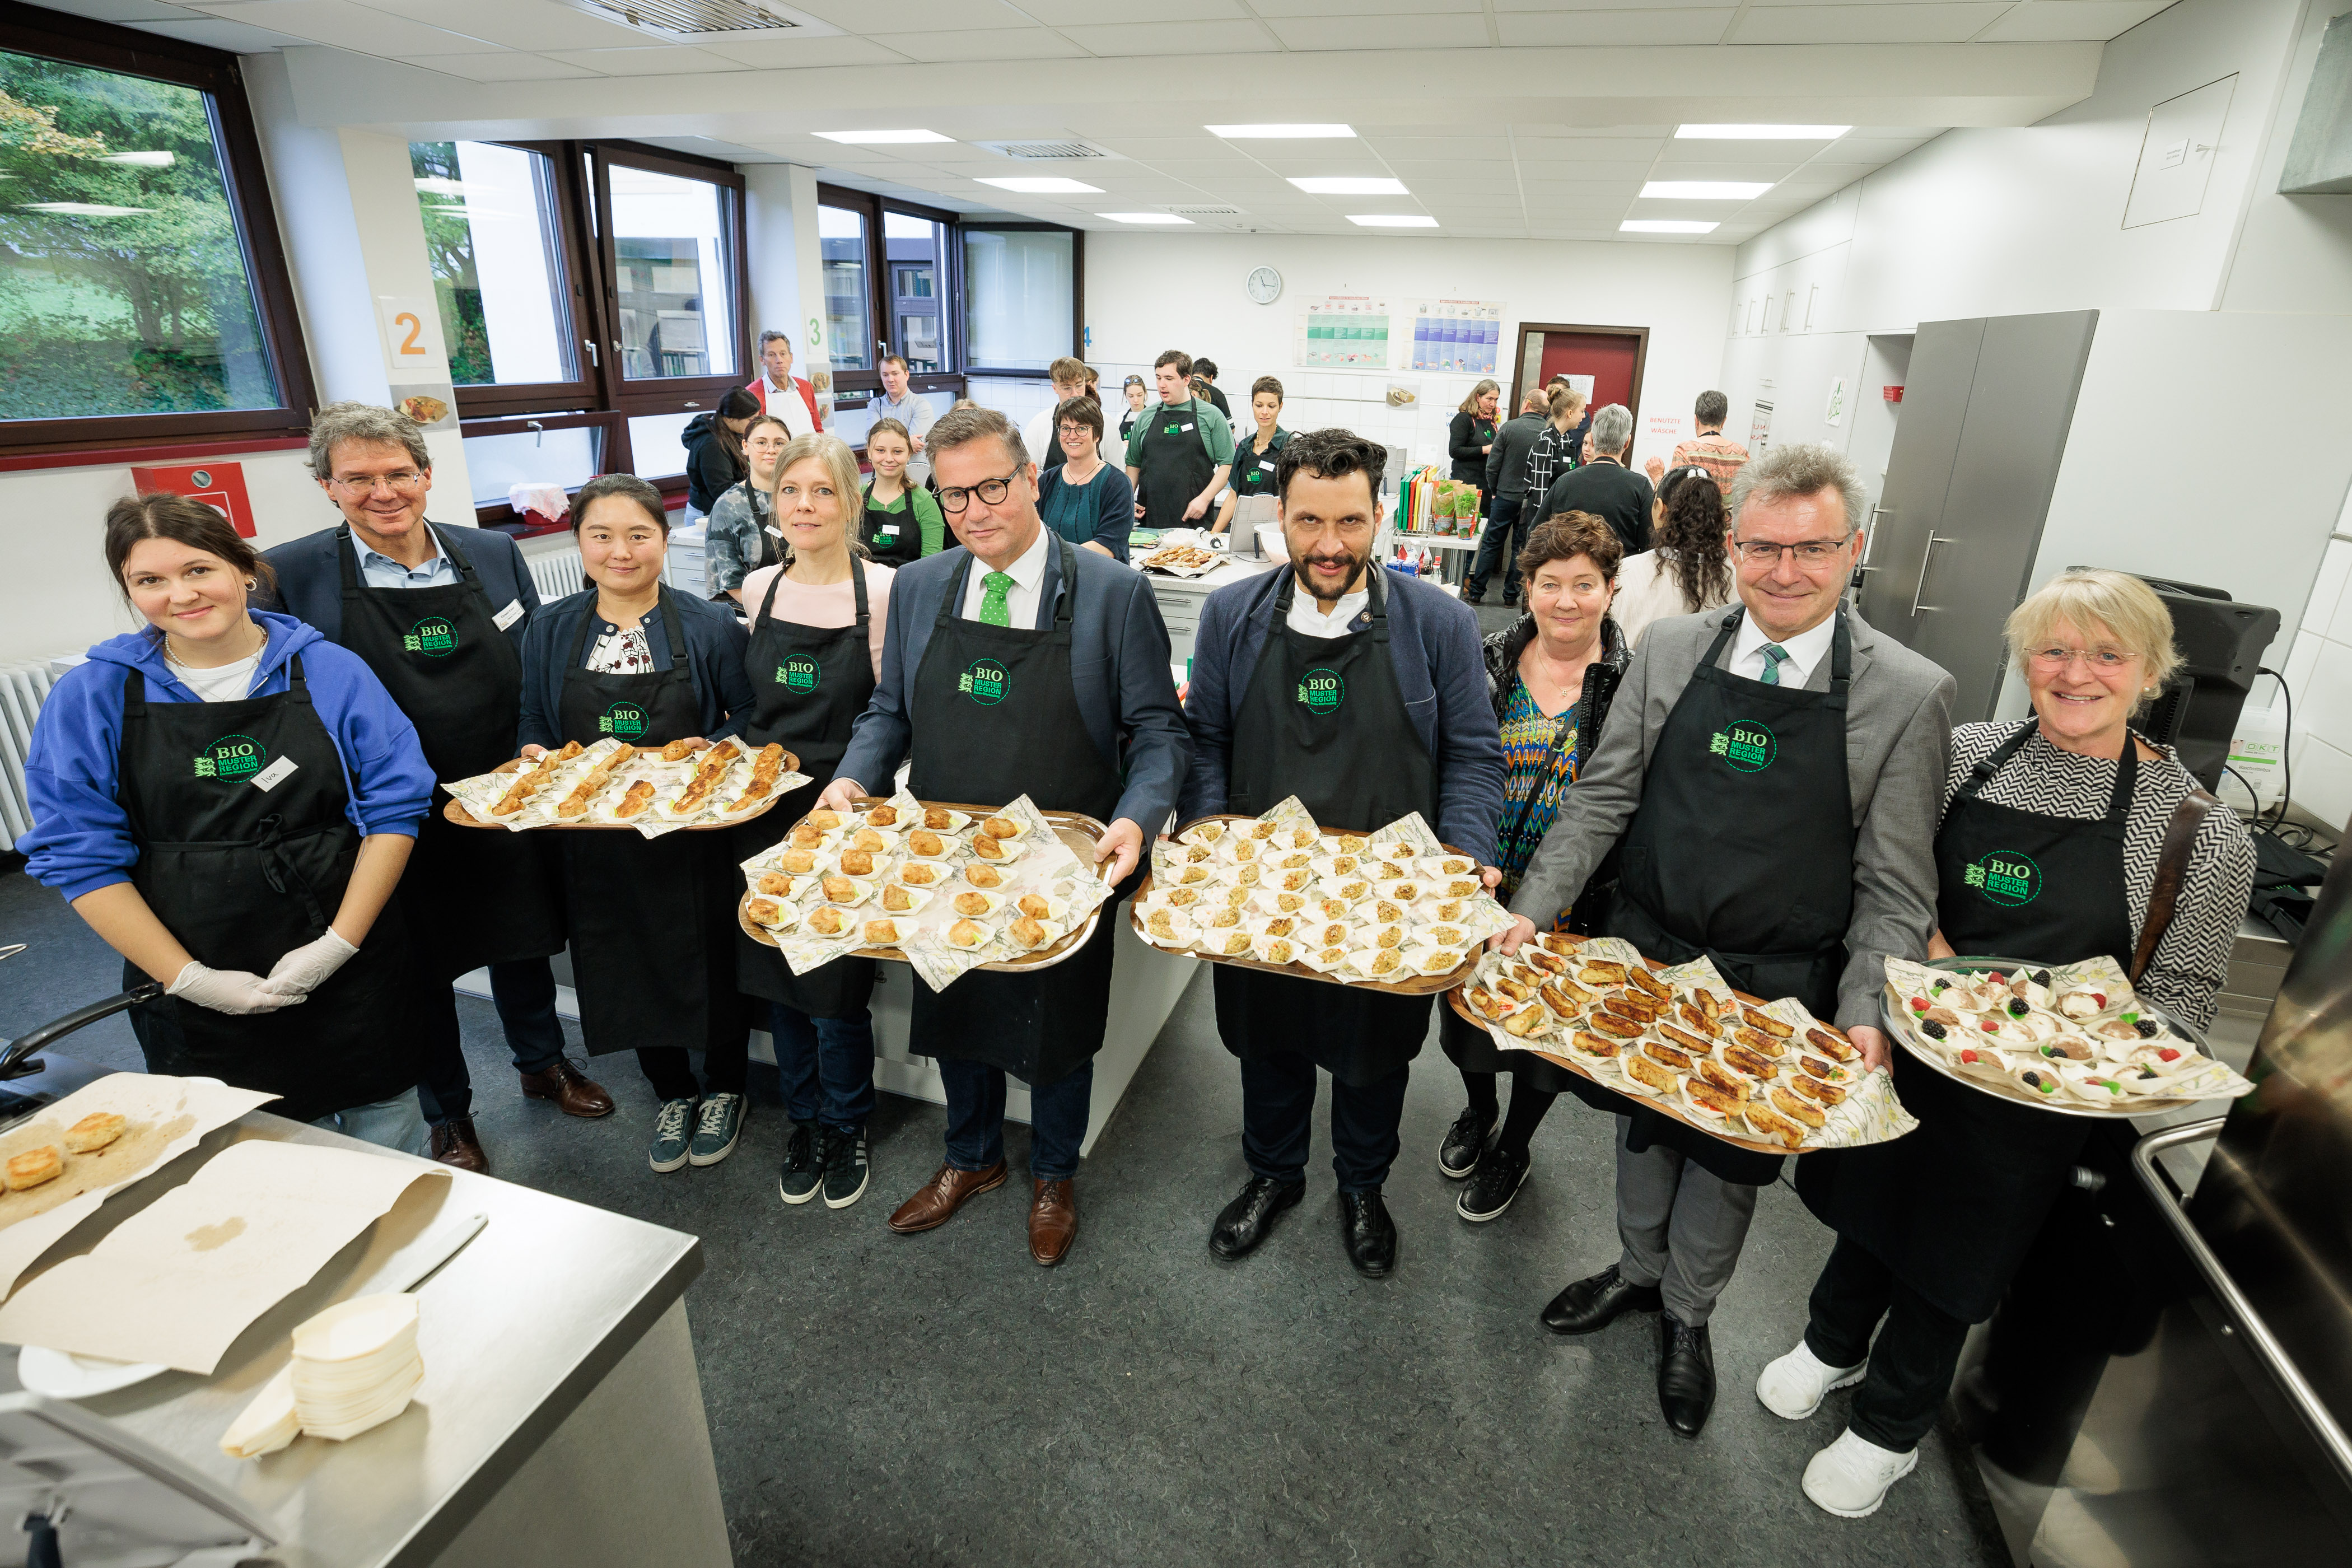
{"type": "Point", "coordinates": [1774, 655]}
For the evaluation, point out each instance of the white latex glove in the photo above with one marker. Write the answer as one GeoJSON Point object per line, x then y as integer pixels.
{"type": "Point", "coordinates": [232, 991]}
{"type": "Point", "coordinates": [306, 967]}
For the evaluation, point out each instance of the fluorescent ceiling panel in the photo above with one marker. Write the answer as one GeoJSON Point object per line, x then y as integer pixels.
{"type": "Point", "coordinates": [1279, 132]}
{"type": "Point", "coordinates": [1706, 190]}
{"type": "Point", "coordinates": [880, 138]}
{"type": "Point", "coordinates": [1145, 218]}
{"type": "Point", "coordinates": [1665, 226]}
{"type": "Point", "coordinates": [1043, 185]}
{"type": "Point", "coordinates": [1349, 185]}
{"type": "Point", "coordinates": [1760, 132]}
{"type": "Point", "coordinates": [1392, 220]}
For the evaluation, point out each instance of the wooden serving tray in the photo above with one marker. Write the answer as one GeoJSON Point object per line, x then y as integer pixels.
{"type": "Point", "coordinates": [1461, 1010]}
{"type": "Point", "coordinates": [1080, 832]}
{"type": "Point", "coordinates": [454, 810]}
{"type": "Point", "coordinates": [1419, 985]}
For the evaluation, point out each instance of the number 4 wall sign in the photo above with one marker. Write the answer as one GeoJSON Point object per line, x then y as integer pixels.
{"type": "Point", "coordinates": [415, 361]}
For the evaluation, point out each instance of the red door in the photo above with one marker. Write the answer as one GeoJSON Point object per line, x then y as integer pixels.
{"type": "Point", "coordinates": [1607, 357]}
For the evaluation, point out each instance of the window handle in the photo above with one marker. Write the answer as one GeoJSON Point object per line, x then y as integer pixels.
{"type": "Point", "coordinates": [590, 345]}
{"type": "Point", "coordinates": [541, 438]}
{"type": "Point", "coordinates": [689, 406]}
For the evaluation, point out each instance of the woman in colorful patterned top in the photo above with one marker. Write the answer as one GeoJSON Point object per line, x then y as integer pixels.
{"type": "Point", "coordinates": [1551, 678]}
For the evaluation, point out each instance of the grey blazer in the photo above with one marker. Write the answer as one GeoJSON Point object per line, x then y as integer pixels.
{"type": "Point", "coordinates": [1897, 742]}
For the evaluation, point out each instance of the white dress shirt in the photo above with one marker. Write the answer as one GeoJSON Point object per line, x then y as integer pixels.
{"type": "Point", "coordinates": [1805, 650]}
{"type": "Point", "coordinates": [381, 571]}
{"type": "Point", "coordinates": [1028, 575]}
{"type": "Point", "coordinates": [1305, 616]}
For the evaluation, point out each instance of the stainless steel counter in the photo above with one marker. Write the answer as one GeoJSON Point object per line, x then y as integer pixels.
{"type": "Point", "coordinates": [1180, 599]}
{"type": "Point", "coordinates": [560, 1416]}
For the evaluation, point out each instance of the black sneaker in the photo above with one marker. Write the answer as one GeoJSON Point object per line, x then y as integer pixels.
{"type": "Point", "coordinates": [1457, 1156]}
{"type": "Point", "coordinates": [845, 1166]}
{"type": "Point", "coordinates": [1493, 1184]}
{"type": "Point", "coordinates": [804, 1173]}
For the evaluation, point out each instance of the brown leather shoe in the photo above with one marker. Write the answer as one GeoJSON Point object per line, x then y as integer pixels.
{"type": "Point", "coordinates": [944, 1194]}
{"type": "Point", "coordinates": [454, 1143]}
{"type": "Point", "coordinates": [574, 1092]}
{"type": "Point", "coordinates": [1052, 1220]}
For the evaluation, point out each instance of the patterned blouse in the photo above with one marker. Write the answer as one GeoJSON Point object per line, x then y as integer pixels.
{"type": "Point", "coordinates": [1533, 766]}
{"type": "Point", "coordinates": [621, 653]}
{"type": "Point", "coordinates": [2193, 959]}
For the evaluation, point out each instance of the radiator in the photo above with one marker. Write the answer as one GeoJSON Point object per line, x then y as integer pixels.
{"type": "Point", "coordinates": [558, 575]}
{"type": "Point", "coordinates": [23, 687]}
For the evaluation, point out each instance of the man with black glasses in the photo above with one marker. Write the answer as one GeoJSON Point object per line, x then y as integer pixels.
{"type": "Point", "coordinates": [1778, 793]}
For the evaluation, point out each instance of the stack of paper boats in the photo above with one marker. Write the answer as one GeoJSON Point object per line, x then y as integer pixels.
{"type": "Point", "coordinates": [355, 1366]}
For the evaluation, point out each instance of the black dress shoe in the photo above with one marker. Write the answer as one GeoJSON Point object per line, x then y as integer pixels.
{"type": "Point", "coordinates": [1466, 1140]}
{"type": "Point", "coordinates": [1243, 1223]}
{"type": "Point", "coordinates": [1594, 1303]}
{"type": "Point", "coordinates": [1685, 1375]}
{"type": "Point", "coordinates": [1370, 1235]}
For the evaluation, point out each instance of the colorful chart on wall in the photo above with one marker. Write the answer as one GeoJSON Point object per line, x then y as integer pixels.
{"type": "Point", "coordinates": [1343, 331]}
{"type": "Point", "coordinates": [1459, 337]}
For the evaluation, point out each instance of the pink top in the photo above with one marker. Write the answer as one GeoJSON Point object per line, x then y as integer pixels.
{"type": "Point", "coordinates": [835, 605]}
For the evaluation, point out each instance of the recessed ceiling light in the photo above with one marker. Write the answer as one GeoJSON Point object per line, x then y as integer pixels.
{"type": "Point", "coordinates": [1044, 185]}
{"type": "Point", "coordinates": [1392, 220]}
{"type": "Point", "coordinates": [1350, 186]}
{"type": "Point", "coordinates": [1760, 132]}
{"type": "Point", "coordinates": [881, 138]}
{"type": "Point", "coordinates": [1665, 226]}
{"type": "Point", "coordinates": [1706, 190]}
{"type": "Point", "coordinates": [1274, 132]}
{"type": "Point", "coordinates": [1144, 217]}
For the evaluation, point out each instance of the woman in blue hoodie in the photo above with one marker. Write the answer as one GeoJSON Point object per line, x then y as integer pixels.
{"type": "Point", "coordinates": [229, 799]}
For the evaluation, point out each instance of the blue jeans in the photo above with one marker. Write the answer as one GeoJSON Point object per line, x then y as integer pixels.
{"type": "Point", "coordinates": [834, 1056]}
{"type": "Point", "coordinates": [1279, 1117]}
{"type": "Point", "coordinates": [1505, 536]}
{"type": "Point", "coordinates": [394, 1123]}
{"type": "Point", "coordinates": [1058, 1119]}
{"type": "Point", "coordinates": [524, 993]}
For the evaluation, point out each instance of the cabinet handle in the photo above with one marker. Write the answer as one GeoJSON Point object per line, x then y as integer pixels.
{"type": "Point", "coordinates": [1933, 539]}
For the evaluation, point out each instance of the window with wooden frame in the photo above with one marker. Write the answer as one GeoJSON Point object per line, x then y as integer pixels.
{"type": "Point", "coordinates": [890, 281]}
{"type": "Point", "coordinates": [1023, 292]}
{"type": "Point", "coordinates": [145, 296]}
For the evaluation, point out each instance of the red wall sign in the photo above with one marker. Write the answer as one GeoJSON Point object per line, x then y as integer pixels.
{"type": "Point", "coordinates": [1892, 394]}
{"type": "Point", "coordinates": [220, 485]}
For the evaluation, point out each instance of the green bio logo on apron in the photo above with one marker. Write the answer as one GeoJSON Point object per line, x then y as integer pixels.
{"type": "Point", "coordinates": [1746, 745]}
{"type": "Point", "coordinates": [1322, 691]}
{"type": "Point", "coordinates": [2005, 878]}
{"type": "Point", "coordinates": [432, 637]}
{"type": "Point", "coordinates": [985, 682]}
{"type": "Point", "coordinates": [799, 673]}
{"type": "Point", "coordinates": [626, 720]}
{"type": "Point", "coordinates": [232, 757]}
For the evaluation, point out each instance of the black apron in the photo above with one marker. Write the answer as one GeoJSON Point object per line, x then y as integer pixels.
{"type": "Point", "coordinates": [471, 897]}
{"type": "Point", "coordinates": [896, 538]}
{"type": "Point", "coordinates": [994, 717]}
{"type": "Point", "coordinates": [1324, 720]}
{"type": "Point", "coordinates": [1175, 467]}
{"type": "Point", "coordinates": [1768, 904]}
{"type": "Point", "coordinates": [653, 920]}
{"type": "Point", "coordinates": [1953, 1207]}
{"type": "Point", "coordinates": [1253, 471]}
{"type": "Point", "coordinates": [809, 685]}
{"type": "Point", "coordinates": [242, 876]}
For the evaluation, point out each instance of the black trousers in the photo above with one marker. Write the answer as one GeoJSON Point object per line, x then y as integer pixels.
{"type": "Point", "coordinates": [670, 1070]}
{"type": "Point", "coordinates": [1279, 1117]}
{"type": "Point", "coordinates": [1912, 1363]}
{"type": "Point", "coordinates": [524, 994]}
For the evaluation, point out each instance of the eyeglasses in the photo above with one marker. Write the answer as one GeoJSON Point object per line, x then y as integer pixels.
{"type": "Point", "coordinates": [1807, 552]}
{"type": "Point", "coordinates": [2105, 660]}
{"type": "Point", "coordinates": [401, 483]}
{"type": "Point", "coordinates": [953, 500]}
{"type": "Point", "coordinates": [1076, 430]}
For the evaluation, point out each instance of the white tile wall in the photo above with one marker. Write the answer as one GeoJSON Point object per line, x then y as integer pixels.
{"type": "Point", "coordinates": [2319, 674]}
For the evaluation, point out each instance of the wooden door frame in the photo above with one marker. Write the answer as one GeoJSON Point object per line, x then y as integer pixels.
{"type": "Point", "coordinates": [1641, 336]}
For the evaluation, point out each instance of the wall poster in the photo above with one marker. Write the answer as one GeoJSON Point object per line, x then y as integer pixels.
{"type": "Point", "coordinates": [1458, 337]}
{"type": "Point", "coordinates": [1343, 332]}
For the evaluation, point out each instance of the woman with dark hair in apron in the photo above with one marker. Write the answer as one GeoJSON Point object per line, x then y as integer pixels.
{"type": "Point", "coordinates": [652, 920]}
{"type": "Point", "coordinates": [815, 647]}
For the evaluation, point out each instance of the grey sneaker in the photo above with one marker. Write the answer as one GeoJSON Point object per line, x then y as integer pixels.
{"type": "Point", "coordinates": [669, 1151]}
{"type": "Point", "coordinates": [845, 1166]}
{"type": "Point", "coordinates": [803, 1171]}
{"type": "Point", "coordinates": [717, 1128]}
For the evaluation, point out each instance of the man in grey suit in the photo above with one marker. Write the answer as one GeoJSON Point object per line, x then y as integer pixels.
{"type": "Point", "coordinates": [1776, 775]}
{"type": "Point", "coordinates": [1018, 665]}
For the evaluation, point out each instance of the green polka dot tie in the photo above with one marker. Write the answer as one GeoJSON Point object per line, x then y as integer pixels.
{"type": "Point", "coordinates": [1774, 655]}
{"type": "Point", "coordinates": [997, 586]}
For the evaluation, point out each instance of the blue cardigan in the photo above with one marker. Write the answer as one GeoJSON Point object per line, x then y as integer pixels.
{"type": "Point", "coordinates": [1118, 665]}
{"type": "Point", "coordinates": [1107, 502]}
{"type": "Point", "coordinates": [81, 838]}
{"type": "Point", "coordinates": [1440, 669]}
{"type": "Point", "coordinates": [311, 578]}
{"type": "Point", "coordinates": [716, 644]}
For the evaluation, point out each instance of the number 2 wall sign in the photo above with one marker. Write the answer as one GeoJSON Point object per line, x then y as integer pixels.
{"type": "Point", "coordinates": [416, 360]}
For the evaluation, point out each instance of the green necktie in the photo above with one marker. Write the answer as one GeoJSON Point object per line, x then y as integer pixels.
{"type": "Point", "coordinates": [998, 584]}
{"type": "Point", "coordinates": [1773, 654]}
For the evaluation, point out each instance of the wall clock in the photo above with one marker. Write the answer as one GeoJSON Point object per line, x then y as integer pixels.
{"type": "Point", "coordinates": [1264, 284]}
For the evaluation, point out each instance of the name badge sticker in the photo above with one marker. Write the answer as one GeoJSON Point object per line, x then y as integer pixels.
{"type": "Point", "coordinates": [276, 774]}
{"type": "Point", "coordinates": [1185, 428]}
{"type": "Point", "coordinates": [508, 616]}
{"type": "Point", "coordinates": [1265, 463]}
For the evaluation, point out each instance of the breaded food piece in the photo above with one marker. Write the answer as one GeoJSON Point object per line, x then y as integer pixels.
{"type": "Point", "coordinates": [1602, 973]}
{"type": "Point", "coordinates": [1795, 1109]}
{"type": "Point", "coordinates": [923, 841]}
{"type": "Point", "coordinates": [897, 900]}
{"type": "Point", "coordinates": [1722, 1077]}
{"type": "Point", "coordinates": [1610, 1024]}
{"type": "Point", "coordinates": [1763, 1045]}
{"type": "Point", "coordinates": [1832, 1042]}
{"type": "Point", "coordinates": [988, 847]}
{"type": "Point", "coordinates": [967, 933]}
{"type": "Point", "coordinates": [807, 834]}
{"type": "Point", "coordinates": [1667, 1056]}
{"type": "Point", "coordinates": [1594, 1045]}
{"type": "Point", "coordinates": [798, 861]}
{"type": "Point", "coordinates": [1772, 1126]}
{"type": "Point", "coordinates": [678, 750]}
{"type": "Point", "coordinates": [1026, 932]}
{"type": "Point", "coordinates": [34, 1166]}
{"type": "Point", "coordinates": [1527, 1021]}
{"type": "Point", "coordinates": [857, 862]}
{"type": "Point", "coordinates": [94, 1133]}
{"type": "Point", "coordinates": [1685, 1038]}
{"type": "Point", "coordinates": [1719, 1100]}
{"type": "Point", "coordinates": [1649, 1074]}
{"type": "Point", "coordinates": [639, 796]}
{"type": "Point", "coordinates": [866, 839]}
{"type": "Point", "coordinates": [839, 889]}
{"type": "Point", "coordinates": [983, 875]}
{"type": "Point", "coordinates": [938, 819]}
{"type": "Point", "coordinates": [1739, 1059]}
{"type": "Point", "coordinates": [828, 922]}
{"type": "Point", "coordinates": [919, 876]}
{"type": "Point", "coordinates": [1814, 1088]}
{"type": "Point", "coordinates": [882, 933]}
{"type": "Point", "coordinates": [883, 816]}
{"type": "Point", "coordinates": [970, 904]}
{"type": "Point", "coordinates": [1000, 828]}
{"type": "Point", "coordinates": [776, 885]}
{"type": "Point", "coordinates": [1766, 1022]}
{"type": "Point", "coordinates": [1642, 979]}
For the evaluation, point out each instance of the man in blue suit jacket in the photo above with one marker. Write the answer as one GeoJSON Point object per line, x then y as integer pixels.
{"type": "Point", "coordinates": [1018, 665]}
{"type": "Point", "coordinates": [439, 614]}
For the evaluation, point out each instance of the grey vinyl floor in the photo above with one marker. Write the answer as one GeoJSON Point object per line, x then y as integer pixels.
{"type": "Point", "coordinates": [940, 1400]}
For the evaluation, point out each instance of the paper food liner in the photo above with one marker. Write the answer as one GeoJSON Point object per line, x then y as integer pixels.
{"type": "Point", "coordinates": [2209, 1079]}
{"type": "Point", "coordinates": [1870, 1113]}
{"type": "Point", "coordinates": [481, 791]}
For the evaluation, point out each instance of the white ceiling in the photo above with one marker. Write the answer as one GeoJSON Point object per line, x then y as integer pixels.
{"type": "Point", "coordinates": [1519, 119]}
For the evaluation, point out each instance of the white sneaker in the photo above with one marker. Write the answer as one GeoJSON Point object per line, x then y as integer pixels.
{"type": "Point", "coordinates": [1795, 1385]}
{"type": "Point", "coordinates": [1851, 1477]}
